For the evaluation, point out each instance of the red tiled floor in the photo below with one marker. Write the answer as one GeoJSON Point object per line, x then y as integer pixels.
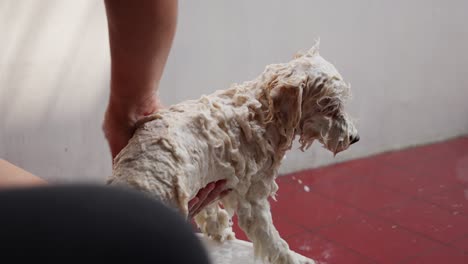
{"type": "Point", "coordinates": [438, 152]}
{"type": "Point", "coordinates": [427, 219]}
{"type": "Point", "coordinates": [286, 189]}
{"type": "Point", "coordinates": [329, 177]}
{"type": "Point", "coordinates": [313, 211]}
{"type": "Point", "coordinates": [454, 199]}
{"type": "Point", "coordinates": [411, 183]}
{"type": "Point", "coordinates": [461, 243]}
{"type": "Point", "coordinates": [447, 171]}
{"type": "Point", "coordinates": [407, 206]}
{"type": "Point", "coordinates": [363, 195]}
{"type": "Point", "coordinates": [324, 251]}
{"type": "Point", "coordinates": [380, 240]}
{"type": "Point", "coordinates": [438, 255]}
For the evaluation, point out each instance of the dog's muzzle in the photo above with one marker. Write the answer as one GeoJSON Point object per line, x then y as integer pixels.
{"type": "Point", "coordinates": [354, 139]}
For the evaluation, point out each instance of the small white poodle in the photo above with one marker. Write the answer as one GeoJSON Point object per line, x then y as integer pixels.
{"type": "Point", "coordinates": [241, 135]}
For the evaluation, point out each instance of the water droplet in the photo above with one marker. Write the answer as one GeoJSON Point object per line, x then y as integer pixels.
{"type": "Point", "coordinates": [306, 188]}
{"type": "Point", "coordinates": [394, 226]}
{"type": "Point", "coordinates": [299, 181]}
{"type": "Point", "coordinates": [305, 247]}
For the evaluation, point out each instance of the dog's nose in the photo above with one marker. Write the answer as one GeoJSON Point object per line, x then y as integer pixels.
{"type": "Point", "coordinates": [354, 139]}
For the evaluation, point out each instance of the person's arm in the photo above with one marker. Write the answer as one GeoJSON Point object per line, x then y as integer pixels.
{"type": "Point", "coordinates": [12, 176]}
{"type": "Point", "coordinates": [140, 36]}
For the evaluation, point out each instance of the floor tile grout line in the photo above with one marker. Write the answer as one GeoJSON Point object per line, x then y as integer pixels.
{"type": "Point", "coordinates": [407, 259]}
{"type": "Point", "coordinates": [417, 198]}
{"type": "Point", "coordinates": [372, 182]}
{"type": "Point", "coordinates": [458, 239]}
{"type": "Point", "coordinates": [410, 197]}
{"type": "Point", "coordinates": [359, 179]}
{"type": "Point", "coordinates": [370, 214]}
{"type": "Point", "coordinates": [461, 237]}
{"type": "Point", "coordinates": [386, 186]}
{"type": "Point", "coordinates": [389, 188]}
{"type": "Point", "coordinates": [315, 231]}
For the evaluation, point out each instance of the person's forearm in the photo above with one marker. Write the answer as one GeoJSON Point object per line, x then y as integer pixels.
{"type": "Point", "coordinates": [140, 35]}
{"type": "Point", "coordinates": [13, 176]}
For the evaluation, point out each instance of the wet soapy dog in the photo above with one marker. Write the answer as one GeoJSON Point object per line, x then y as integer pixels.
{"type": "Point", "coordinates": [240, 134]}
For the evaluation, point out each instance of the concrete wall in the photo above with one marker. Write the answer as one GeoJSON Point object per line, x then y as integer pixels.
{"type": "Point", "coordinates": [406, 60]}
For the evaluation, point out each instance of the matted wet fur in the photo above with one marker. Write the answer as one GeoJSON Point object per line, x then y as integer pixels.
{"type": "Point", "coordinates": [241, 135]}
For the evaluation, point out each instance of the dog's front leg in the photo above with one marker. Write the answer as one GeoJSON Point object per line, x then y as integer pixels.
{"type": "Point", "coordinates": [256, 221]}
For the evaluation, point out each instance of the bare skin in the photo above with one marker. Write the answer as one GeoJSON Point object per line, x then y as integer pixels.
{"type": "Point", "coordinates": [14, 176]}
{"type": "Point", "coordinates": [141, 35]}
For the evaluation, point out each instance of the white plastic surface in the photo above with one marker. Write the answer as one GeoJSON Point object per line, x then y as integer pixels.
{"type": "Point", "coordinates": [230, 252]}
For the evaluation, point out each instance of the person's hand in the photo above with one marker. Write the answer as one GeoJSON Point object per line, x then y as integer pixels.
{"type": "Point", "coordinates": [119, 126]}
{"type": "Point", "coordinates": [207, 195]}
{"type": "Point", "coordinates": [120, 119]}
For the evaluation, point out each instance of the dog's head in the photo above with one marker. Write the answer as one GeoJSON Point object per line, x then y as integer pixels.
{"type": "Point", "coordinates": [306, 96]}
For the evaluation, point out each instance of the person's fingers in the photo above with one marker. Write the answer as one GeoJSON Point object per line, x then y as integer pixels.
{"type": "Point", "coordinates": [221, 195]}
{"type": "Point", "coordinates": [192, 203]}
{"type": "Point", "coordinates": [201, 195]}
{"type": "Point", "coordinates": [224, 193]}
{"type": "Point", "coordinates": [221, 183]}
{"type": "Point", "coordinates": [211, 197]}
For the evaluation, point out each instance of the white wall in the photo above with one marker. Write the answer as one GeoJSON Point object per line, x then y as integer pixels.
{"type": "Point", "coordinates": [406, 60]}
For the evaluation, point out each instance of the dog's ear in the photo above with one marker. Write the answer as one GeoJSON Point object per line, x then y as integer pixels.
{"type": "Point", "coordinates": [282, 95]}
{"type": "Point", "coordinates": [287, 101]}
